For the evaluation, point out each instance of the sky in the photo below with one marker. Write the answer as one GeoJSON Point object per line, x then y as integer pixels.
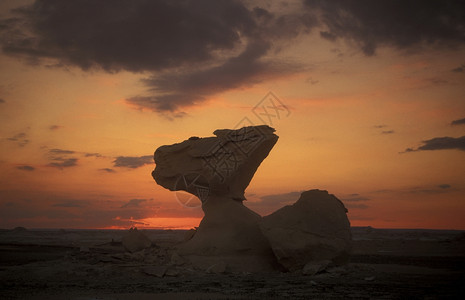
{"type": "Point", "coordinates": [371, 97]}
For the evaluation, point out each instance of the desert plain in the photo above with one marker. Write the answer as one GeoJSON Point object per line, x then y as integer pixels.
{"type": "Point", "coordinates": [93, 264]}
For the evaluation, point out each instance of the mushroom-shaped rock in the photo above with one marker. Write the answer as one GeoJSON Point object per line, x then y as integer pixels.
{"type": "Point", "coordinates": [218, 170]}
{"type": "Point", "coordinates": [315, 228]}
{"type": "Point", "coordinates": [214, 166]}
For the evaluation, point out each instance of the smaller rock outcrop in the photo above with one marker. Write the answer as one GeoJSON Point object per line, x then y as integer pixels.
{"type": "Point", "coordinates": [315, 228]}
{"type": "Point", "coordinates": [135, 240]}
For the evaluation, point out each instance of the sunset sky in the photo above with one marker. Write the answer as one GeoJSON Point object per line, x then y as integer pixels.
{"type": "Point", "coordinates": [372, 95]}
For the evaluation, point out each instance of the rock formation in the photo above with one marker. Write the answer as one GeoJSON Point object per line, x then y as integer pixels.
{"type": "Point", "coordinates": [134, 240]}
{"type": "Point", "coordinates": [313, 229]}
{"type": "Point", "coordinates": [218, 170]}
{"type": "Point", "coordinates": [220, 166]}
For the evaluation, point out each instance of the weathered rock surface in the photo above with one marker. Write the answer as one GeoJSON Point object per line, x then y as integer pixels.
{"type": "Point", "coordinates": [315, 228]}
{"type": "Point", "coordinates": [214, 166]}
{"type": "Point", "coordinates": [135, 240]}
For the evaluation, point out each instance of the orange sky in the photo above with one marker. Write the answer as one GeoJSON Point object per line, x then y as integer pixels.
{"type": "Point", "coordinates": [78, 129]}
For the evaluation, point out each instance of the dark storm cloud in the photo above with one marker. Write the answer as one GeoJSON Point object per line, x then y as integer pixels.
{"type": "Point", "coordinates": [133, 35]}
{"type": "Point", "coordinates": [458, 122]}
{"type": "Point", "coordinates": [134, 203]}
{"type": "Point", "coordinates": [133, 161]}
{"type": "Point", "coordinates": [402, 24]}
{"type": "Point", "coordinates": [177, 89]}
{"type": "Point", "coordinates": [193, 49]}
{"type": "Point", "coordinates": [207, 46]}
{"type": "Point", "coordinates": [441, 143]}
{"type": "Point", "coordinates": [26, 168]}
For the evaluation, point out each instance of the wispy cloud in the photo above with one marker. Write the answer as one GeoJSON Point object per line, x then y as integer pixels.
{"type": "Point", "coordinates": [20, 139]}
{"type": "Point", "coordinates": [71, 203]}
{"type": "Point", "coordinates": [426, 189]}
{"type": "Point", "coordinates": [268, 203]}
{"type": "Point", "coordinates": [460, 69]}
{"type": "Point", "coordinates": [356, 206]}
{"type": "Point", "coordinates": [355, 201]}
{"type": "Point", "coordinates": [108, 170]}
{"type": "Point", "coordinates": [458, 122]}
{"type": "Point", "coordinates": [444, 186]}
{"type": "Point", "coordinates": [61, 162]}
{"type": "Point", "coordinates": [440, 143]}
{"type": "Point", "coordinates": [55, 127]}
{"type": "Point", "coordinates": [26, 168]}
{"type": "Point", "coordinates": [134, 203]}
{"type": "Point", "coordinates": [133, 161]}
{"type": "Point", "coordinates": [385, 129]}
{"type": "Point", "coordinates": [93, 155]}
{"type": "Point", "coordinates": [387, 132]}
{"type": "Point", "coordinates": [60, 151]}
{"type": "Point", "coordinates": [60, 158]}
{"type": "Point", "coordinates": [354, 198]}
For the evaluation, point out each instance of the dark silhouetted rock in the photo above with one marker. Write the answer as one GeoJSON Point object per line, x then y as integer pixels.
{"type": "Point", "coordinates": [314, 267]}
{"type": "Point", "coordinates": [158, 271]}
{"type": "Point", "coordinates": [218, 170]}
{"type": "Point", "coordinates": [218, 166]}
{"type": "Point", "coordinates": [217, 268]}
{"type": "Point", "coordinates": [134, 241]}
{"type": "Point", "coordinates": [177, 260]}
{"type": "Point", "coordinates": [315, 228]}
{"type": "Point", "coordinates": [189, 234]}
{"type": "Point", "coordinates": [19, 229]}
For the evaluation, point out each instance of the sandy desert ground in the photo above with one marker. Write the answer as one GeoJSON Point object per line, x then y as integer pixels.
{"type": "Point", "coordinates": [92, 264]}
